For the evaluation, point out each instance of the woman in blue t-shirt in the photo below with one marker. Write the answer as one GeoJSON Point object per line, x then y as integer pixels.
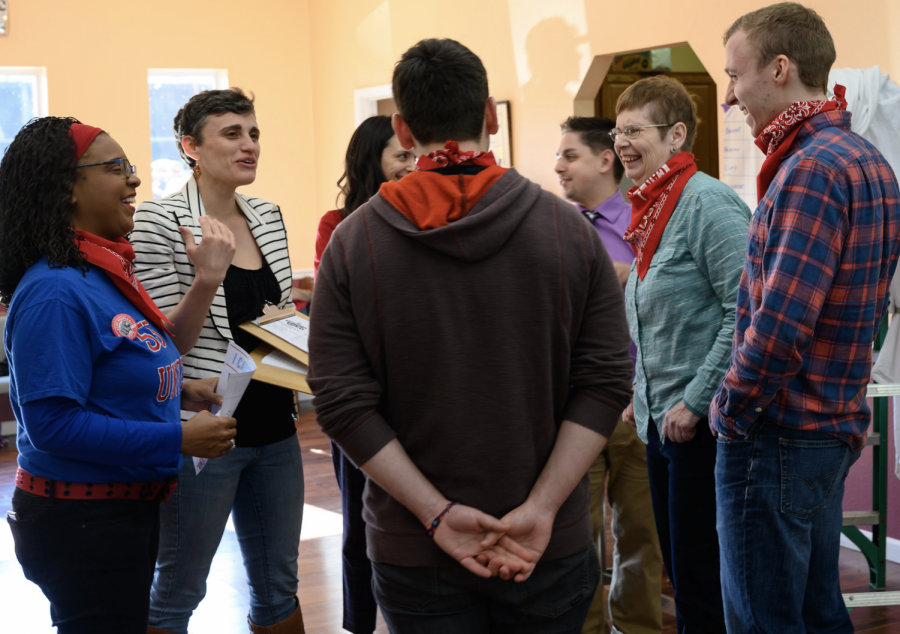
{"type": "Point", "coordinates": [95, 380]}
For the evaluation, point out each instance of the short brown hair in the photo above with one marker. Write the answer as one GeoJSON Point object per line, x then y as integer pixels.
{"type": "Point", "coordinates": [792, 30]}
{"type": "Point", "coordinates": [668, 101]}
{"type": "Point", "coordinates": [193, 115]}
{"type": "Point", "coordinates": [594, 133]}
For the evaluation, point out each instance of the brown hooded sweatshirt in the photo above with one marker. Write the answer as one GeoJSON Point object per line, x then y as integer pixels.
{"type": "Point", "coordinates": [466, 312]}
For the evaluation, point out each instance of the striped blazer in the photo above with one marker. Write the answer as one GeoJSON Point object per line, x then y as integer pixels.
{"type": "Point", "coordinates": [167, 273]}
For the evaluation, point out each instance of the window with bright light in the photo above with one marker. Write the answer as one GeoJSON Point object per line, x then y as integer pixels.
{"type": "Point", "coordinates": [169, 90]}
{"type": "Point", "coordinates": [23, 96]}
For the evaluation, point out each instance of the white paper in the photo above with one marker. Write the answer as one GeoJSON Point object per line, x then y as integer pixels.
{"type": "Point", "coordinates": [294, 330]}
{"type": "Point", "coordinates": [234, 378]}
{"type": "Point", "coordinates": [742, 159]}
{"type": "Point", "coordinates": [283, 361]}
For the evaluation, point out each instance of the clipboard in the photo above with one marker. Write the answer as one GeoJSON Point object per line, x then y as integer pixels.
{"type": "Point", "coordinates": [277, 376]}
{"type": "Point", "coordinates": [271, 374]}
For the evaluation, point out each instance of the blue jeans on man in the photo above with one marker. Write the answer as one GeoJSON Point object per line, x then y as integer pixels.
{"type": "Point", "coordinates": [779, 494]}
{"type": "Point", "coordinates": [451, 600]}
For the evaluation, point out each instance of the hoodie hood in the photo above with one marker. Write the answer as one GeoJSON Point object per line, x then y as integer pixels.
{"type": "Point", "coordinates": [469, 217]}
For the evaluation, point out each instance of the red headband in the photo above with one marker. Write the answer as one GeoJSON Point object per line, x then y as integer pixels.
{"type": "Point", "coordinates": [83, 135]}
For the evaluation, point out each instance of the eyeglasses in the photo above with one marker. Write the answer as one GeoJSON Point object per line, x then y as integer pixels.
{"type": "Point", "coordinates": [127, 169]}
{"type": "Point", "coordinates": [633, 131]}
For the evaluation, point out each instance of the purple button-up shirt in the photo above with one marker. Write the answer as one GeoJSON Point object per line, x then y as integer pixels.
{"type": "Point", "coordinates": [614, 218]}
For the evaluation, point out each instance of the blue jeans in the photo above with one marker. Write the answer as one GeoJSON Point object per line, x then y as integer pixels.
{"type": "Point", "coordinates": [451, 600]}
{"type": "Point", "coordinates": [683, 490]}
{"type": "Point", "coordinates": [779, 494]}
{"type": "Point", "coordinates": [262, 487]}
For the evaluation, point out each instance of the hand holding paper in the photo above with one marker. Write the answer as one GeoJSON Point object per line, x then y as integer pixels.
{"type": "Point", "coordinates": [233, 380]}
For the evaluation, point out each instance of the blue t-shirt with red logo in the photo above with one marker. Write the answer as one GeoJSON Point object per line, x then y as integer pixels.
{"type": "Point", "coordinates": [95, 387]}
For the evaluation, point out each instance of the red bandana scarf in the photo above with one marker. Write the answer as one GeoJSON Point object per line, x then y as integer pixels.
{"type": "Point", "coordinates": [451, 155]}
{"type": "Point", "coordinates": [115, 258]}
{"type": "Point", "coordinates": [777, 138]}
{"type": "Point", "coordinates": [652, 205]}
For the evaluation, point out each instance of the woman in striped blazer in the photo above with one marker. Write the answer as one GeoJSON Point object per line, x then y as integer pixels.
{"type": "Point", "coordinates": [206, 291]}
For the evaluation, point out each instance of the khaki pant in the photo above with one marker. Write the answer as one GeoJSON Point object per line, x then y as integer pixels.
{"type": "Point", "coordinates": [634, 596]}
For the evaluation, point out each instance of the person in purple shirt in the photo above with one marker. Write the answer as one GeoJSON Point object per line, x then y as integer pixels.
{"type": "Point", "coordinates": [589, 174]}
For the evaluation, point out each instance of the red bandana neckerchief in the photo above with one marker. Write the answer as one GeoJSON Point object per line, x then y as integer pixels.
{"type": "Point", "coordinates": [451, 155]}
{"type": "Point", "coordinates": [115, 258]}
{"type": "Point", "coordinates": [777, 138]}
{"type": "Point", "coordinates": [652, 205]}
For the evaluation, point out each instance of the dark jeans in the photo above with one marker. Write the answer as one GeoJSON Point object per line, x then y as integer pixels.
{"type": "Point", "coordinates": [779, 493]}
{"type": "Point", "coordinates": [359, 603]}
{"type": "Point", "coordinates": [93, 559]}
{"type": "Point", "coordinates": [683, 490]}
{"type": "Point", "coordinates": [451, 600]}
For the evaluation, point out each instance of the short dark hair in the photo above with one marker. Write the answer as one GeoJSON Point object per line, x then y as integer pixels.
{"type": "Point", "coordinates": [363, 175]}
{"type": "Point", "coordinates": [193, 115]}
{"type": "Point", "coordinates": [792, 30]}
{"type": "Point", "coordinates": [440, 88]}
{"type": "Point", "coordinates": [594, 133]}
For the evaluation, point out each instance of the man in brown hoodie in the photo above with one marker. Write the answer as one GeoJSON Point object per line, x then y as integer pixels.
{"type": "Point", "coordinates": [468, 350]}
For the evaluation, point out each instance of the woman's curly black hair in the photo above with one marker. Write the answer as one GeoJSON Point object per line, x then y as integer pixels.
{"type": "Point", "coordinates": [37, 175]}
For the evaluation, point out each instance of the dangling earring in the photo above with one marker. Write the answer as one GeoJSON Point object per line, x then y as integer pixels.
{"type": "Point", "coordinates": [197, 170]}
{"type": "Point", "coordinates": [674, 149]}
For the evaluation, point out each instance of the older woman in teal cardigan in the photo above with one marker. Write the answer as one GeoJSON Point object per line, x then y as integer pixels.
{"type": "Point", "coordinates": [689, 234]}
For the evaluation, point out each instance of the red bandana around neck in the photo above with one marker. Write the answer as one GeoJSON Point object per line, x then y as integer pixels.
{"type": "Point", "coordinates": [776, 140]}
{"type": "Point", "coordinates": [652, 205]}
{"type": "Point", "coordinates": [115, 258]}
{"type": "Point", "coordinates": [451, 155]}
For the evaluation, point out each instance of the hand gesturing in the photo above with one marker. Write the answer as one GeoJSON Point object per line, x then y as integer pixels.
{"type": "Point", "coordinates": [212, 257]}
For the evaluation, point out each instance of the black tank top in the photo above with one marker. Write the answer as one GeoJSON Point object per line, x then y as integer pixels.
{"type": "Point", "coordinates": [264, 415]}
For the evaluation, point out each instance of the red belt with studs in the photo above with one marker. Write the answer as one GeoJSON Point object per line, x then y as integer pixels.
{"type": "Point", "coordinates": [47, 488]}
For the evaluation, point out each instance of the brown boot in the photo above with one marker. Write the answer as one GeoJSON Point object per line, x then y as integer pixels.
{"type": "Point", "coordinates": [158, 630]}
{"type": "Point", "coordinates": [293, 624]}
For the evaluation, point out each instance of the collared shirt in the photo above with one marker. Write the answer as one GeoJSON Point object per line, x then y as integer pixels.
{"type": "Point", "coordinates": [822, 249]}
{"type": "Point", "coordinates": [681, 315]}
{"type": "Point", "coordinates": [611, 219]}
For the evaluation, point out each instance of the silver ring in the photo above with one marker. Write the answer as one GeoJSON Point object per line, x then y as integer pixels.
{"type": "Point", "coordinates": [233, 446]}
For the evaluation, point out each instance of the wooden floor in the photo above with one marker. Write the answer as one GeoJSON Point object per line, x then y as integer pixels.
{"type": "Point", "coordinates": [24, 608]}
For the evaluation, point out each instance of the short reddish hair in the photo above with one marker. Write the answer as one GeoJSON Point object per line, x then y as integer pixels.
{"type": "Point", "coordinates": [668, 101]}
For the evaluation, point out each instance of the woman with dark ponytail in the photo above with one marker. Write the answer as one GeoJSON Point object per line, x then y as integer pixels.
{"type": "Point", "coordinates": [374, 156]}
{"type": "Point", "coordinates": [95, 380]}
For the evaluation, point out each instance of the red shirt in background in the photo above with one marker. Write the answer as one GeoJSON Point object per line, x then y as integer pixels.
{"type": "Point", "coordinates": [326, 227]}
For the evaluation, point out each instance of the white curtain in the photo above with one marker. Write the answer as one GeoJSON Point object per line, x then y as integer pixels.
{"type": "Point", "coordinates": [874, 101]}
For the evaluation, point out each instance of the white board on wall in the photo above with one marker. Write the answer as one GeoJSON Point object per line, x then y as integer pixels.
{"type": "Point", "coordinates": [742, 159]}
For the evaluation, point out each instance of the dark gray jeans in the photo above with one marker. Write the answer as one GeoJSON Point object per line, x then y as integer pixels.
{"type": "Point", "coordinates": [451, 600]}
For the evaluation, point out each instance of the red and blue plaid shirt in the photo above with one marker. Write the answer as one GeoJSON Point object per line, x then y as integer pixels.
{"type": "Point", "coordinates": [821, 251]}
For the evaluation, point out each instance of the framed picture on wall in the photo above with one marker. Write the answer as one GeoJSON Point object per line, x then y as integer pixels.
{"type": "Point", "coordinates": [501, 143]}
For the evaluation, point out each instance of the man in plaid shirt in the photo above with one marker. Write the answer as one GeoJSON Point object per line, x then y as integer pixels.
{"type": "Point", "coordinates": [791, 414]}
